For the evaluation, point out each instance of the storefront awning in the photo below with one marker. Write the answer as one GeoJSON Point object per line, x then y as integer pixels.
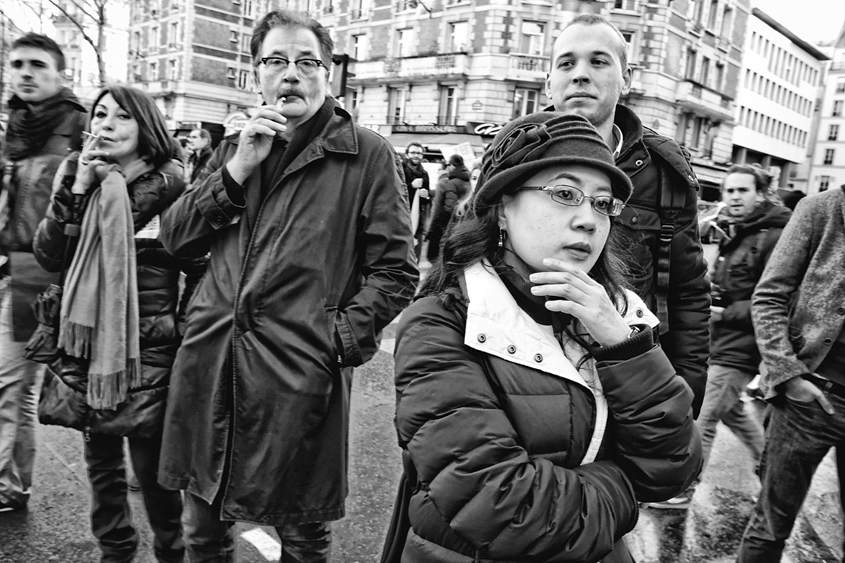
{"type": "Point", "coordinates": [401, 140]}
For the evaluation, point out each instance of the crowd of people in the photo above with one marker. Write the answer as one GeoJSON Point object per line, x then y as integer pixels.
{"type": "Point", "coordinates": [549, 368]}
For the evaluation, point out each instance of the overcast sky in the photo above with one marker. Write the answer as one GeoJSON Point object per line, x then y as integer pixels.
{"type": "Point", "coordinates": [811, 20]}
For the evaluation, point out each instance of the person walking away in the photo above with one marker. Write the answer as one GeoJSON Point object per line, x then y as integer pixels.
{"type": "Point", "coordinates": [799, 320]}
{"type": "Point", "coordinates": [752, 229]}
{"type": "Point", "coordinates": [666, 264]}
{"type": "Point", "coordinates": [446, 199]}
{"type": "Point", "coordinates": [307, 224]}
{"type": "Point", "coordinates": [46, 121]}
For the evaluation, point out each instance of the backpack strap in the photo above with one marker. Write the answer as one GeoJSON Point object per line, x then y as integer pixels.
{"type": "Point", "coordinates": [671, 204]}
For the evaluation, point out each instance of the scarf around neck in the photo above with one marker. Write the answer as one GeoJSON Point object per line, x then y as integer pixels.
{"type": "Point", "coordinates": [99, 318]}
{"type": "Point", "coordinates": [30, 130]}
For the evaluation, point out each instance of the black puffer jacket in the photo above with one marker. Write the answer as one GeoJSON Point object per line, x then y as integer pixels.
{"type": "Point", "coordinates": [656, 164]}
{"type": "Point", "coordinates": [739, 267]}
{"type": "Point", "coordinates": [514, 454]}
{"type": "Point", "coordinates": [161, 314]}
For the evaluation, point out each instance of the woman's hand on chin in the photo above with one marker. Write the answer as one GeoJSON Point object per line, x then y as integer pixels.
{"type": "Point", "coordinates": [572, 291]}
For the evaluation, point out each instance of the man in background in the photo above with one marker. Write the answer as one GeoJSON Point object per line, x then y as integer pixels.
{"type": "Point", "coordinates": [199, 146]}
{"type": "Point", "coordinates": [46, 122]}
{"type": "Point", "coordinates": [417, 182]}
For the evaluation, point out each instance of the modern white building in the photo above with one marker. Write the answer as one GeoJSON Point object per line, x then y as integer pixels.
{"type": "Point", "coordinates": [775, 104]}
{"type": "Point", "coordinates": [828, 158]}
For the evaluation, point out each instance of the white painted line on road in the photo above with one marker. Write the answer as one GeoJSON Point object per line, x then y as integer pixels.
{"type": "Point", "coordinates": [264, 543]}
{"type": "Point", "coordinates": [387, 345]}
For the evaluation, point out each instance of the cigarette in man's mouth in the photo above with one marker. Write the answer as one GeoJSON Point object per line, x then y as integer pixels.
{"type": "Point", "coordinates": [280, 100]}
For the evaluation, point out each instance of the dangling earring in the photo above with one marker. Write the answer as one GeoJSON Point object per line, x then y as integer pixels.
{"type": "Point", "coordinates": [503, 236]}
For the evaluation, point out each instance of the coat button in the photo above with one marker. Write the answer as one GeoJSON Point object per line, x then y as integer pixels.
{"type": "Point", "coordinates": [634, 220]}
{"type": "Point", "coordinates": [828, 341]}
{"type": "Point", "coordinates": [482, 338]}
{"type": "Point", "coordinates": [538, 358]}
{"type": "Point", "coordinates": [639, 163]}
{"type": "Point", "coordinates": [511, 349]}
{"type": "Point", "coordinates": [640, 313]}
{"type": "Point", "coordinates": [841, 310]}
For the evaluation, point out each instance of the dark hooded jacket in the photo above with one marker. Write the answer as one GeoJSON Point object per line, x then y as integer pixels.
{"type": "Point", "coordinates": [449, 193]}
{"type": "Point", "coordinates": [161, 314]}
{"type": "Point", "coordinates": [301, 281]}
{"type": "Point", "coordinates": [656, 164]}
{"type": "Point", "coordinates": [198, 161]}
{"type": "Point", "coordinates": [742, 258]}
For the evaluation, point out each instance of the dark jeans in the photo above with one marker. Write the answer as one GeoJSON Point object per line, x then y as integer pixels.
{"type": "Point", "coordinates": [210, 540]}
{"type": "Point", "coordinates": [798, 436]}
{"type": "Point", "coordinates": [111, 520]}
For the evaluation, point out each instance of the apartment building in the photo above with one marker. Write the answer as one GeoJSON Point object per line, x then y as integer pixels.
{"type": "Point", "coordinates": [193, 58]}
{"type": "Point", "coordinates": [453, 71]}
{"type": "Point", "coordinates": [775, 106]}
{"type": "Point", "coordinates": [828, 157]}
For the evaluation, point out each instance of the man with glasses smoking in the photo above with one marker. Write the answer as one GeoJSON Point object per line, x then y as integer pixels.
{"type": "Point", "coordinates": [306, 222]}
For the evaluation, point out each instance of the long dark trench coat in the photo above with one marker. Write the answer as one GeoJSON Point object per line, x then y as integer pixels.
{"type": "Point", "coordinates": [260, 380]}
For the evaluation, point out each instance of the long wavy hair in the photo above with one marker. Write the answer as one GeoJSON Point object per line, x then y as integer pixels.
{"type": "Point", "coordinates": [476, 237]}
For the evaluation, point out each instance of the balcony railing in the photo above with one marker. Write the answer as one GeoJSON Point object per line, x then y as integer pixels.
{"type": "Point", "coordinates": [630, 5]}
{"type": "Point", "coordinates": [359, 14]}
{"type": "Point", "coordinates": [529, 63]}
{"type": "Point", "coordinates": [405, 5]}
{"type": "Point", "coordinates": [447, 120]}
{"type": "Point", "coordinates": [412, 67]}
{"type": "Point", "coordinates": [703, 101]}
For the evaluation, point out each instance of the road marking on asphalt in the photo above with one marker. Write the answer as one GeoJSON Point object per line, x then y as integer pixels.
{"type": "Point", "coordinates": [264, 543]}
{"type": "Point", "coordinates": [387, 345]}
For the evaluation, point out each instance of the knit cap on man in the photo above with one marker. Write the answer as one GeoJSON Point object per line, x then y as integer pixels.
{"type": "Point", "coordinates": [537, 141]}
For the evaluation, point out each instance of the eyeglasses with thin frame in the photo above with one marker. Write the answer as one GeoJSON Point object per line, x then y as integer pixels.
{"type": "Point", "coordinates": [306, 67]}
{"type": "Point", "coordinates": [573, 197]}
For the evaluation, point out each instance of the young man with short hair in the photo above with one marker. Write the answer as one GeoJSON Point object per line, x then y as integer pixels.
{"type": "Point", "coordinates": [45, 123]}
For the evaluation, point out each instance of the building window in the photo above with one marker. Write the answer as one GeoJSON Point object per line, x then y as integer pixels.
{"type": "Point", "coordinates": [720, 76]}
{"type": "Point", "coordinates": [249, 8]}
{"type": "Point", "coordinates": [359, 47]}
{"type": "Point", "coordinates": [824, 183]}
{"type": "Point", "coordinates": [136, 42]}
{"type": "Point", "coordinates": [525, 101]}
{"type": "Point", "coordinates": [154, 37]}
{"type": "Point", "coordinates": [531, 40]}
{"type": "Point", "coordinates": [828, 156]}
{"type": "Point", "coordinates": [704, 76]}
{"type": "Point", "coordinates": [727, 16]}
{"type": "Point", "coordinates": [233, 36]}
{"type": "Point", "coordinates": [833, 134]}
{"type": "Point", "coordinates": [246, 39]}
{"type": "Point", "coordinates": [173, 69]}
{"type": "Point", "coordinates": [837, 108]}
{"type": "Point", "coordinates": [698, 10]}
{"type": "Point", "coordinates": [404, 42]}
{"type": "Point", "coordinates": [690, 71]}
{"type": "Point", "coordinates": [448, 114]}
{"type": "Point", "coordinates": [230, 73]}
{"type": "Point", "coordinates": [353, 100]}
{"type": "Point", "coordinates": [630, 5]}
{"type": "Point", "coordinates": [714, 12]}
{"type": "Point", "coordinates": [154, 71]}
{"type": "Point", "coordinates": [629, 44]}
{"type": "Point", "coordinates": [458, 37]}
{"type": "Point", "coordinates": [174, 34]}
{"type": "Point", "coordinates": [840, 86]}
{"type": "Point", "coordinates": [396, 105]}
{"type": "Point", "coordinates": [136, 73]}
{"type": "Point", "coordinates": [243, 79]}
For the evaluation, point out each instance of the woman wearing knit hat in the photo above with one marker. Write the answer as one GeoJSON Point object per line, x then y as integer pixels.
{"type": "Point", "coordinates": [534, 409]}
